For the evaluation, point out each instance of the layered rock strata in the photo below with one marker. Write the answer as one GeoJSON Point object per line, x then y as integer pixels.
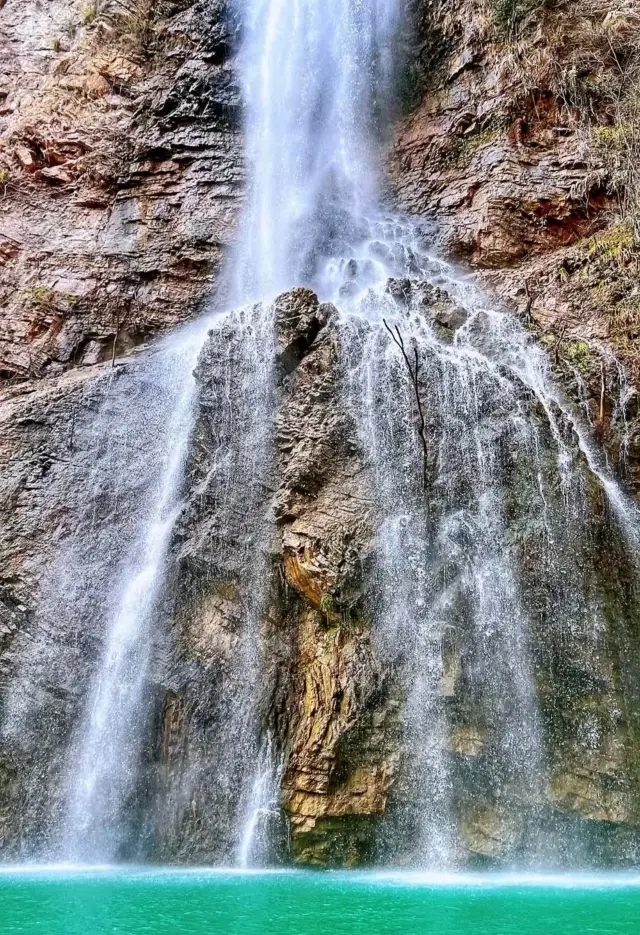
{"type": "Point", "coordinates": [515, 146]}
{"type": "Point", "coordinates": [120, 172]}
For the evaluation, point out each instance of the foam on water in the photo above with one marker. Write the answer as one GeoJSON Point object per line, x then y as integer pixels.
{"type": "Point", "coordinates": [389, 878]}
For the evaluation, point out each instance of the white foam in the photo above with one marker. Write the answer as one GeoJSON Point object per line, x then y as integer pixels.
{"type": "Point", "coordinates": [428, 879]}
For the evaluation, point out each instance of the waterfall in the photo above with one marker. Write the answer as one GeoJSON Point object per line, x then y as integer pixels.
{"type": "Point", "coordinates": [88, 680]}
{"type": "Point", "coordinates": [484, 480]}
{"type": "Point", "coordinates": [111, 733]}
{"type": "Point", "coordinates": [315, 77]}
{"type": "Point", "coordinates": [450, 576]}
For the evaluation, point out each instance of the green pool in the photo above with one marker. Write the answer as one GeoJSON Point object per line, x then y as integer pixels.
{"type": "Point", "coordinates": [149, 902]}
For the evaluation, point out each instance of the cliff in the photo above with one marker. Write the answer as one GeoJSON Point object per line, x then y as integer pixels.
{"type": "Point", "coordinates": [121, 173]}
{"type": "Point", "coordinates": [523, 149]}
{"type": "Point", "coordinates": [120, 166]}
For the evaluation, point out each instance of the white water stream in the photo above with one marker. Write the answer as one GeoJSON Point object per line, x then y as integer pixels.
{"type": "Point", "coordinates": [317, 80]}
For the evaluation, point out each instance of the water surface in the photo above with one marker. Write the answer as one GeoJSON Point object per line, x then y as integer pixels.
{"type": "Point", "coordinates": [130, 902]}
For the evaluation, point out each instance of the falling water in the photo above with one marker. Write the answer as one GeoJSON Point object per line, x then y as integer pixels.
{"type": "Point", "coordinates": [315, 76]}
{"type": "Point", "coordinates": [108, 745]}
{"type": "Point", "coordinates": [88, 679]}
{"type": "Point", "coordinates": [317, 79]}
{"type": "Point", "coordinates": [472, 449]}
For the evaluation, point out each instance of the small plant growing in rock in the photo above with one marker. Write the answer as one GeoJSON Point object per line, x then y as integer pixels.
{"type": "Point", "coordinates": [90, 13]}
{"type": "Point", "coordinates": [42, 296]}
{"type": "Point", "coordinates": [328, 604]}
{"type": "Point", "coordinates": [509, 16]}
{"type": "Point", "coordinates": [48, 299]}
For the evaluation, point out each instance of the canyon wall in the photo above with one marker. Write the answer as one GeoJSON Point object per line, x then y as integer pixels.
{"type": "Point", "coordinates": [520, 145]}
{"type": "Point", "coordinates": [121, 177]}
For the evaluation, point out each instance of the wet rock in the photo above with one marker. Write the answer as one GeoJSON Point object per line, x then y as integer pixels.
{"type": "Point", "coordinates": [592, 797]}
{"type": "Point", "coordinates": [338, 726]}
{"type": "Point", "coordinates": [467, 741]}
{"type": "Point", "coordinates": [299, 319]}
{"type": "Point", "coordinates": [506, 159]}
{"type": "Point", "coordinates": [488, 832]}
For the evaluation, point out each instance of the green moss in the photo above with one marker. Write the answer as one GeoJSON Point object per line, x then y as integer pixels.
{"type": "Point", "coordinates": [328, 604]}
{"type": "Point", "coordinates": [462, 149]}
{"type": "Point", "coordinates": [46, 298]}
{"type": "Point", "coordinates": [410, 86]}
{"type": "Point", "coordinates": [345, 841]}
{"type": "Point", "coordinates": [579, 353]}
{"type": "Point", "coordinates": [612, 138]}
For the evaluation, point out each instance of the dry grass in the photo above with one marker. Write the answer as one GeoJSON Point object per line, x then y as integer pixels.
{"type": "Point", "coordinates": [68, 120]}
{"type": "Point", "coordinates": [512, 17]}
{"type": "Point", "coordinates": [586, 54]}
{"type": "Point", "coordinates": [132, 22]}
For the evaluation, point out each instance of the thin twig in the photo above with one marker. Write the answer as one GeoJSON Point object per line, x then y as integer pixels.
{"type": "Point", "coordinates": [528, 306]}
{"type": "Point", "coordinates": [558, 343]}
{"type": "Point", "coordinates": [413, 374]}
{"type": "Point", "coordinates": [119, 323]}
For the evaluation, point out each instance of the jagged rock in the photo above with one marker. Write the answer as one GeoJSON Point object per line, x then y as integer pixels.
{"type": "Point", "coordinates": [503, 151]}
{"type": "Point", "coordinates": [299, 319]}
{"type": "Point", "coordinates": [588, 795]}
{"type": "Point", "coordinates": [153, 199]}
{"type": "Point", "coordinates": [299, 595]}
{"type": "Point", "coordinates": [468, 741]}
{"type": "Point", "coordinates": [56, 174]}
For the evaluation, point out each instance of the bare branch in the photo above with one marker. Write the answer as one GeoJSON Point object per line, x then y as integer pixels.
{"type": "Point", "coordinates": [413, 371]}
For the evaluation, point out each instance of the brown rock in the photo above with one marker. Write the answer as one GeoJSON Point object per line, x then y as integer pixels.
{"type": "Point", "coordinates": [25, 158]}
{"type": "Point", "coordinates": [55, 174]}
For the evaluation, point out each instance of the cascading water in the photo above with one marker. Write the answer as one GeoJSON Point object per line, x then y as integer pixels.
{"type": "Point", "coordinates": [316, 78]}
{"type": "Point", "coordinates": [448, 397]}
{"type": "Point", "coordinates": [109, 740]}
{"type": "Point", "coordinates": [128, 455]}
{"type": "Point", "coordinates": [484, 482]}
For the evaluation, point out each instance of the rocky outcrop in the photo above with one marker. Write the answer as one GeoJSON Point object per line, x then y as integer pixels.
{"type": "Point", "coordinates": [341, 719]}
{"type": "Point", "coordinates": [64, 527]}
{"type": "Point", "coordinates": [286, 623]}
{"type": "Point", "coordinates": [120, 171]}
{"type": "Point", "coordinates": [285, 608]}
{"type": "Point", "coordinates": [514, 146]}
{"type": "Point", "coordinates": [269, 629]}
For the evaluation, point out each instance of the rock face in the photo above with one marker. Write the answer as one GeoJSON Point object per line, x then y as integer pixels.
{"type": "Point", "coordinates": [341, 711]}
{"type": "Point", "coordinates": [120, 171]}
{"type": "Point", "coordinates": [277, 632]}
{"type": "Point", "coordinates": [54, 601]}
{"type": "Point", "coordinates": [120, 177]}
{"type": "Point", "coordinates": [269, 628]}
{"type": "Point", "coordinates": [286, 610]}
{"type": "Point", "coordinates": [511, 147]}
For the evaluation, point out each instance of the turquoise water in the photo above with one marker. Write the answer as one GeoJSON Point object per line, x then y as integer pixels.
{"type": "Point", "coordinates": [129, 902]}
